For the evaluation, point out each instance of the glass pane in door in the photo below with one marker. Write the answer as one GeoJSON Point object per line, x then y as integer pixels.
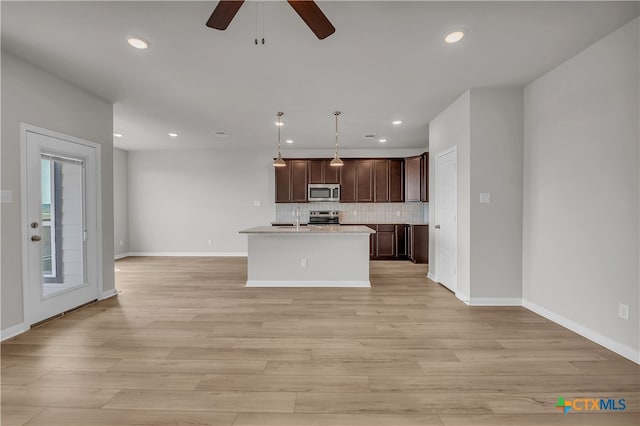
{"type": "Point", "coordinates": [63, 248]}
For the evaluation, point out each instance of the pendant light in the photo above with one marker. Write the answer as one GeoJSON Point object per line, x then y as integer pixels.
{"type": "Point", "coordinates": [336, 162]}
{"type": "Point", "coordinates": [279, 162]}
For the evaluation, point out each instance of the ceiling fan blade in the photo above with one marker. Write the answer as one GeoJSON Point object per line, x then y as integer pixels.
{"type": "Point", "coordinates": [313, 17]}
{"type": "Point", "coordinates": [223, 14]}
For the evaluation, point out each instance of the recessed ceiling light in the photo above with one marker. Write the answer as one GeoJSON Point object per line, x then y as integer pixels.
{"type": "Point", "coordinates": [397, 122]}
{"type": "Point", "coordinates": [118, 135]}
{"type": "Point", "coordinates": [454, 36]}
{"type": "Point", "coordinates": [289, 141]}
{"type": "Point", "coordinates": [138, 43]}
{"type": "Point", "coordinates": [173, 135]}
{"type": "Point", "coordinates": [382, 140]}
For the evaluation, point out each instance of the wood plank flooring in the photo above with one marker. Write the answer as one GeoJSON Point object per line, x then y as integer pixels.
{"type": "Point", "coordinates": [185, 343]}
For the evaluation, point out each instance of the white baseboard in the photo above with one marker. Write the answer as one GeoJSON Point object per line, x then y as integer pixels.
{"type": "Point", "coordinates": [432, 277]}
{"type": "Point", "coordinates": [120, 256]}
{"type": "Point", "coordinates": [188, 254]}
{"type": "Point", "coordinates": [495, 301]}
{"type": "Point", "coordinates": [463, 297]}
{"type": "Point", "coordinates": [594, 336]}
{"type": "Point", "coordinates": [303, 284]}
{"type": "Point", "coordinates": [107, 294]}
{"type": "Point", "coordinates": [10, 332]}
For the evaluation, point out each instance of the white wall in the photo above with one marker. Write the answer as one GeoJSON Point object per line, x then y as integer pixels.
{"type": "Point", "coordinates": [36, 97]}
{"type": "Point", "coordinates": [452, 127]}
{"type": "Point", "coordinates": [178, 200]}
{"type": "Point", "coordinates": [496, 168]}
{"type": "Point", "coordinates": [581, 192]}
{"type": "Point", "coordinates": [485, 125]}
{"type": "Point", "coordinates": [120, 202]}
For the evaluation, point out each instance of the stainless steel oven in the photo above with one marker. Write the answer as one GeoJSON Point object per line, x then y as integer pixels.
{"type": "Point", "coordinates": [323, 192]}
{"type": "Point", "coordinates": [324, 217]}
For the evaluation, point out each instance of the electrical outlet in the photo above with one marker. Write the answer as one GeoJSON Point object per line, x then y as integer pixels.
{"type": "Point", "coordinates": [257, 203]}
{"type": "Point", "coordinates": [623, 311]}
{"type": "Point", "coordinates": [303, 263]}
{"type": "Point", "coordinates": [210, 242]}
{"type": "Point", "coordinates": [398, 213]}
{"type": "Point", "coordinates": [121, 243]}
{"type": "Point", "coordinates": [355, 212]}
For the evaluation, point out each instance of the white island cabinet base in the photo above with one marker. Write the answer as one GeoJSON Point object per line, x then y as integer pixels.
{"type": "Point", "coordinates": [309, 257]}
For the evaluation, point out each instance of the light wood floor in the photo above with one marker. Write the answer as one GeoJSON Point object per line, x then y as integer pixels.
{"type": "Point", "coordinates": [184, 343]}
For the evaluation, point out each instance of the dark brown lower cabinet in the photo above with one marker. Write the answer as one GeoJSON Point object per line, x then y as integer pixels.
{"type": "Point", "coordinates": [386, 241]}
{"type": "Point", "coordinates": [373, 238]}
{"type": "Point", "coordinates": [418, 243]}
{"type": "Point", "coordinates": [401, 241]}
{"type": "Point", "coordinates": [396, 242]}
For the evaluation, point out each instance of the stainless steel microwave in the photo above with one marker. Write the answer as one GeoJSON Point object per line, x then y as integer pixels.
{"type": "Point", "coordinates": [323, 192]}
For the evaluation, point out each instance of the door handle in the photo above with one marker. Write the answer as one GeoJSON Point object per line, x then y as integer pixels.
{"type": "Point", "coordinates": [437, 226]}
{"type": "Point", "coordinates": [36, 238]}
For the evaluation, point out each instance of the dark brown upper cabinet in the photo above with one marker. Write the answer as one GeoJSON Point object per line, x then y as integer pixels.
{"type": "Point", "coordinates": [364, 181]}
{"type": "Point", "coordinates": [424, 181]}
{"type": "Point", "coordinates": [412, 167]}
{"type": "Point", "coordinates": [320, 171]}
{"type": "Point", "coordinates": [348, 182]}
{"type": "Point", "coordinates": [291, 182]}
{"type": "Point", "coordinates": [417, 178]}
{"type": "Point", "coordinates": [316, 171]}
{"type": "Point", "coordinates": [388, 176]}
{"type": "Point", "coordinates": [396, 180]}
{"type": "Point", "coordinates": [283, 183]}
{"type": "Point", "coordinates": [381, 180]}
{"type": "Point", "coordinates": [356, 181]}
{"type": "Point", "coordinates": [299, 181]}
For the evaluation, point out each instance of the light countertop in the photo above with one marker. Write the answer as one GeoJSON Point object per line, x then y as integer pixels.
{"type": "Point", "coordinates": [321, 229]}
{"type": "Point", "coordinates": [355, 223]}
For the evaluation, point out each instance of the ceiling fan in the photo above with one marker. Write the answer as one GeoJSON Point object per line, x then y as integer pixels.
{"type": "Point", "coordinates": [307, 9]}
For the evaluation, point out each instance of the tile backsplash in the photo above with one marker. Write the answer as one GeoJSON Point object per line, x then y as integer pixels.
{"type": "Point", "coordinates": [359, 212]}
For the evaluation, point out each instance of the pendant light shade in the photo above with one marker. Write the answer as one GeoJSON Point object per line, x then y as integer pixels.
{"type": "Point", "coordinates": [279, 162]}
{"type": "Point", "coordinates": [336, 162]}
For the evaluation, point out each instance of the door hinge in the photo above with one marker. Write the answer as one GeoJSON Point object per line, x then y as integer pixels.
{"type": "Point", "coordinates": [84, 235]}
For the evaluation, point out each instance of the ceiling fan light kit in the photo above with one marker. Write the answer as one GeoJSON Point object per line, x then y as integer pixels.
{"type": "Point", "coordinates": [308, 10]}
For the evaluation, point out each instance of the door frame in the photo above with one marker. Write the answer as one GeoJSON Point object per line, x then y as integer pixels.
{"type": "Point", "coordinates": [24, 220]}
{"type": "Point", "coordinates": [450, 150]}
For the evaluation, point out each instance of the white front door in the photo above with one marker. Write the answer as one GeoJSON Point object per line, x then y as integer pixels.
{"type": "Point", "coordinates": [446, 227]}
{"type": "Point", "coordinates": [60, 227]}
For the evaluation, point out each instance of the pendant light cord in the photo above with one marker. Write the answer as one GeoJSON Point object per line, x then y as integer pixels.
{"type": "Point", "coordinates": [337, 113]}
{"type": "Point", "coordinates": [279, 127]}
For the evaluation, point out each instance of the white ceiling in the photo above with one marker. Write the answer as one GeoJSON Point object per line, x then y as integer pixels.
{"type": "Point", "coordinates": [386, 61]}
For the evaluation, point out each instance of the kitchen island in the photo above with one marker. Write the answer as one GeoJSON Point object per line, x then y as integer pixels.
{"type": "Point", "coordinates": [310, 256]}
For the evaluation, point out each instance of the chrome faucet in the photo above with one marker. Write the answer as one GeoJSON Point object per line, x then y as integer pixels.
{"type": "Point", "coordinates": [296, 220]}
